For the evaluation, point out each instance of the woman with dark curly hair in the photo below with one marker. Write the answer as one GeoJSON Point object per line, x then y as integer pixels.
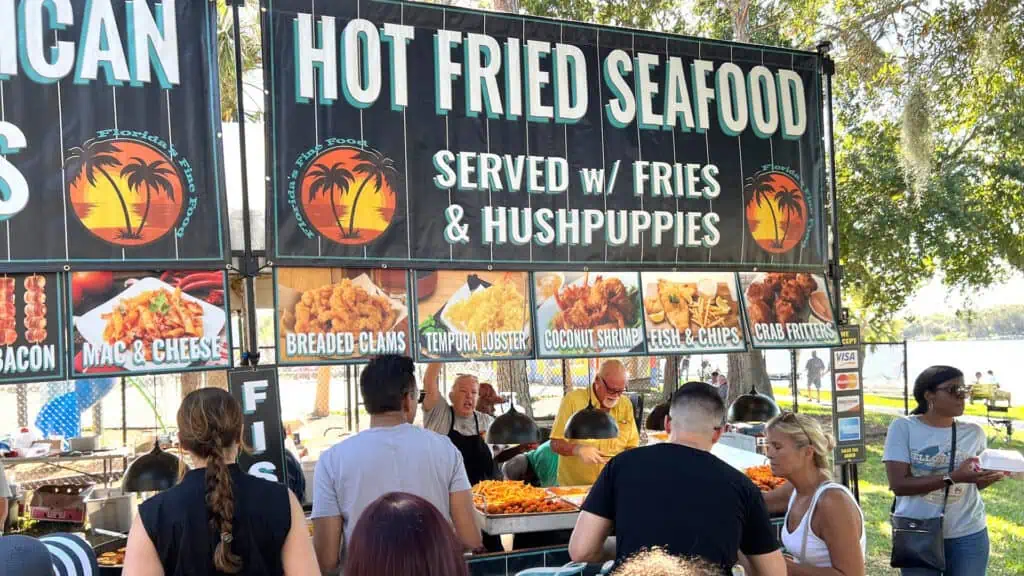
{"type": "Point", "coordinates": [218, 519]}
{"type": "Point", "coordinates": [401, 534]}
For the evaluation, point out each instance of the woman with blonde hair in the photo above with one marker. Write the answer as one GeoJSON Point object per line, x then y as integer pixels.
{"type": "Point", "coordinates": [657, 562]}
{"type": "Point", "coordinates": [218, 519]}
{"type": "Point", "coordinates": [824, 531]}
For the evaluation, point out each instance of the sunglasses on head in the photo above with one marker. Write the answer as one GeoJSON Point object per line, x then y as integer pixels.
{"type": "Point", "coordinates": [790, 417]}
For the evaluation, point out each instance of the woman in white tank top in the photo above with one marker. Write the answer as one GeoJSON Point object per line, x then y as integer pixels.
{"type": "Point", "coordinates": [824, 531]}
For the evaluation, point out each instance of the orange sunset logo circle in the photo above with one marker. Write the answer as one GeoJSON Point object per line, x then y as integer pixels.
{"type": "Point", "coordinates": [776, 211]}
{"type": "Point", "coordinates": [348, 194]}
{"type": "Point", "coordinates": [125, 192]}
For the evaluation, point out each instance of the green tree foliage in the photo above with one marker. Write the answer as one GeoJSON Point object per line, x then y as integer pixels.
{"type": "Point", "coordinates": [929, 101]}
{"type": "Point", "coordinates": [997, 322]}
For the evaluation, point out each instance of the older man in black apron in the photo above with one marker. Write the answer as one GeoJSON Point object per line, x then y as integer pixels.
{"type": "Point", "coordinates": [458, 418]}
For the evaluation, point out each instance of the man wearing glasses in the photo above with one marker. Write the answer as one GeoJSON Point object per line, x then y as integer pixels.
{"type": "Point", "coordinates": [580, 463]}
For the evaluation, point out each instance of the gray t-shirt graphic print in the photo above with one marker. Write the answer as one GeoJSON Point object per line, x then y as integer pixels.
{"type": "Point", "coordinates": [927, 450]}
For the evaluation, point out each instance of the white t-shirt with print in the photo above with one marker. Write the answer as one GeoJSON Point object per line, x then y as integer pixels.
{"type": "Point", "coordinates": [926, 448]}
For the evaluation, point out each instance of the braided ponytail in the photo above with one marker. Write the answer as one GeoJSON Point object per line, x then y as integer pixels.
{"type": "Point", "coordinates": [220, 502]}
{"type": "Point", "coordinates": [209, 426]}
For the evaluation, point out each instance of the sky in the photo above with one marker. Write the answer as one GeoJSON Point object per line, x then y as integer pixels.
{"type": "Point", "coordinates": [935, 298]}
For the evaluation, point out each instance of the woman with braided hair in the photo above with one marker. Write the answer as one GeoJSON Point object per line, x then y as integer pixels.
{"type": "Point", "coordinates": [218, 520]}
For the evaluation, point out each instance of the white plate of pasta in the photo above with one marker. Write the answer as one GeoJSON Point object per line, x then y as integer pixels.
{"type": "Point", "coordinates": [170, 314]}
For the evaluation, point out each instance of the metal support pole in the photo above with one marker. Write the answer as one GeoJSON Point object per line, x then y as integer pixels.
{"type": "Point", "coordinates": [835, 269]}
{"type": "Point", "coordinates": [249, 263]}
{"type": "Point", "coordinates": [124, 412]}
{"type": "Point", "coordinates": [793, 381]}
{"type": "Point", "coordinates": [906, 382]}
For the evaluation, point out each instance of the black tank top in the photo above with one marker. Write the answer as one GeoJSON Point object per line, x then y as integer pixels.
{"type": "Point", "coordinates": [177, 523]}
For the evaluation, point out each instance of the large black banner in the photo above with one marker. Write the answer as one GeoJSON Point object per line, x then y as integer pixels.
{"type": "Point", "coordinates": [109, 126]}
{"type": "Point", "coordinates": [415, 134]}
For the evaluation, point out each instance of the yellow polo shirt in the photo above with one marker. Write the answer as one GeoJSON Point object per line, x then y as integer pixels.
{"type": "Point", "coordinates": [571, 470]}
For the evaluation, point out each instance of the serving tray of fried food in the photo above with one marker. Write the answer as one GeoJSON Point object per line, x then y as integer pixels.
{"type": "Point", "coordinates": [510, 507]}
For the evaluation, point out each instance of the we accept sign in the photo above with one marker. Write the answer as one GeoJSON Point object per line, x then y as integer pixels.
{"type": "Point", "coordinates": [416, 134]}
{"type": "Point", "coordinates": [109, 123]}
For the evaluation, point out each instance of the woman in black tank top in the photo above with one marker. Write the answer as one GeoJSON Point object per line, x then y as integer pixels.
{"type": "Point", "coordinates": [218, 520]}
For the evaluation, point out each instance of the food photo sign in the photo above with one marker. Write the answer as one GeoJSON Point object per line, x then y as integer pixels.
{"type": "Point", "coordinates": [148, 322]}
{"type": "Point", "coordinates": [110, 129]}
{"type": "Point", "coordinates": [473, 315]}
{"type": "Point", "coordinates": [788, 310]}
{"type": "Point", "coordinates": [31, 328]}
{"type": "Point", "coordinates": [588, 314]}
{"type": "Point", "coordinates": [692, 312]}
{"type": "Point", "coordinates": [412, 134]}
{"type": "Point", "coordinates": [338, 315]}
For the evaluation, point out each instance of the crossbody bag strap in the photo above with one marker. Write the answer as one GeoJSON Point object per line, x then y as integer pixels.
{"type": "Point", "coordinates": [952, 466]}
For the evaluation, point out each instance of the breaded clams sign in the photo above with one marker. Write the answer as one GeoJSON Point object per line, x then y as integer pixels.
{"type": "Point", "coordinates": [413, 134]}
{"type": "Point", "coordinates": [110, 127]}
{"type": "Point", "coordinates": [331, 315]}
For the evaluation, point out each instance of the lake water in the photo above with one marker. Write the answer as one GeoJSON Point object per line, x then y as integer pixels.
{"type": "Point", "coordinates": [883, 364]}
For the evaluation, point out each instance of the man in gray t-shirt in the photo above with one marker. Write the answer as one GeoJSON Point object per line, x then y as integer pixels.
{"type": "Point", "coordinates": [392, 456]}
{"type": "Point", "coordinates": [926, 449]}
{"type": "Point", "coordinates": [5, 493]}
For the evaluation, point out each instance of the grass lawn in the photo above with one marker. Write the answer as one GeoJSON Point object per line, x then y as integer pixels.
{"type": "Point", "coordinates": [871, 400]}
{"type": "Point", "coordinates": [1004, 501]}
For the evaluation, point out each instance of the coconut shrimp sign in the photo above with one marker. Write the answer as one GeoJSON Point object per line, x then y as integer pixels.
{"type": "Point", "coordinates": [109, 123]}
{"type": "Point", "coordinates": [410, 133]}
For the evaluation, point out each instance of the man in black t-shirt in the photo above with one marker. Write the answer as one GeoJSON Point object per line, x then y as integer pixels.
{"type": "Point", "coordinates": [711, 510]}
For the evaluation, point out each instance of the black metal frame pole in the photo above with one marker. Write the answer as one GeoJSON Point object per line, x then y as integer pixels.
{"type": "Point", "coordinates": [793, 384]}
{"type": "Point", "coordinates": [249, 263]}
{"type": "Point", "coordinates": [835, 269]}
{"type": "Point", "coordinates": [906, 382]}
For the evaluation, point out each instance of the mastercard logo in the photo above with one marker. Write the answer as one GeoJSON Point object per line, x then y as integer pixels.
{"type": "Point", "coordinates": [847, 382]}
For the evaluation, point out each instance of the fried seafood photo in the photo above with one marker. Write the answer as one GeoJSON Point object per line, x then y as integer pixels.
{"type": "Point", "coordinates": [341, 307]}
{"type": "Point", "coordinates": [605, 304]}
{"type": "Point", "coordinates": [781, 298]}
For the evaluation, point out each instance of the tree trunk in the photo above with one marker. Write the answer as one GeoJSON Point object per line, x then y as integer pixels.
{"type": "Point", "coordinates": [671, 382]}
{"type": "Point", "coordinates": [512, 377]}
{"type": "Point", "coordinates": [322, 409]}
{"type": "Point", "coordinates": [747, 369]}
{"type": "Point", "coordinates": [507, 6]}
{"type": "Point", "coordinates": [190, 382]}
{"type": "Point", "coordinates": [217, 379]}
{"type": "Point", "coordinates": [740, 20]}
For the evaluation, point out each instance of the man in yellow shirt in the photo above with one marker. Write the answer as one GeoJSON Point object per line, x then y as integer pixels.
{"type": "Point", "coordinates": [582, 461]}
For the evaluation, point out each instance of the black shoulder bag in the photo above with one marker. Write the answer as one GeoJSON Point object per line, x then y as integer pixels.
{"type": "Point", "coordinates": [917, 542]}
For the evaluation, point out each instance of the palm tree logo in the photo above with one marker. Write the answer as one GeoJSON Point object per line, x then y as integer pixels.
{"type": "Point", "coordinates": [327, 179]}
{"type": "Point", "coordinates": [791, 202]}
{"type": "Point", "coordinates": [376, 167]}
{"type": "Point", "coordinates": [776, 211]}
{"type": "Point", "coordinates": [154, 176]}
{"type": "Point", "coordinates": [349, 194]}
{"type": "Point", "coordinates": [96, 156]}
{"type": "Point", "coordinates": [124, 191]}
